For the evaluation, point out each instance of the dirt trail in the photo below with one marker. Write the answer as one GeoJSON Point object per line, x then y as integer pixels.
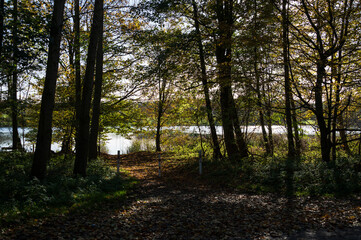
{"type": "Point", "coordinates": [177, 207]}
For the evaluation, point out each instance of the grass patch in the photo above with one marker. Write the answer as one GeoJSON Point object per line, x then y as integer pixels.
{"type": "Point", "coordinates": [60, 193]}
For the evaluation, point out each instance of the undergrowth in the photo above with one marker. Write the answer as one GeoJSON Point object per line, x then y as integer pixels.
{"type": "Point", "coordinates": [269, 175]}
{"type": "Point", "coordinates": [23, 197]}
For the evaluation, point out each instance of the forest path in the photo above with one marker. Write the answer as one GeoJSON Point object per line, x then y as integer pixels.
{"type": "Point", "coordinates": [177, 207]}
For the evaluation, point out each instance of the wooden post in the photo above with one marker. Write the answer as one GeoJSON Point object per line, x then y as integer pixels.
{"type": "Point", "coordinates": [118, 160]}
{"type": "Point", "coordinates": [359, 146]}
{"type": "Point", "coordinates": [159, 166]}
{"type": "Point", "coordinates": [200, 162]}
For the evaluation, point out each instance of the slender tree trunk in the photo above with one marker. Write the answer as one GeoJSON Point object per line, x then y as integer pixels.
{"type": "Point", "coordinates": [335, 108]}
{"type": "Point", "coordinates": [288, 92]}
{"type": "Point", "coordinates": [324, 131]}
{"type": "Point", "coordinates": [14, 84]}
{"type": "Point", "coordinates": [288, 96]}
{"type": "Point", "coordinates": [97, 98]}
{"type": "Point", "coordinates": [297, 137]}
{"type": "Point", "coordinates": [82, 143]}
{"type": "Point", "coordinates": [343, 136]}
{"type": "Point", "coordinates": [295, 128]}
{"type": "Point", "coordinates": [157, 136]}
{"type": "Point", "coordinates": [161, 101]}
{"type": "Point", "coordinates": [216, 149]}
{"type": "Point", "coordinates": [270, 133]}
{"type": "Point", "coordinates": [2, 14]}
{"type": "Point", "coordinates": [66, 141]}
{"type": "Point", "coordinates": [74, 60]}
{"type": "Point", "coordinates": [16, 143]}
{"type": "Point", "coordinates": [257, 81]}
{"type": "Point", "coordinates": [77, 63]}
{"type": "Point", "coordinates": [241, 142]}
{"type": "Point", "coordinates": [340, 119]}
{"type": "Point", "coordinates": [43, 142]}
{"type": "Point", "coordinates": [259, 102]}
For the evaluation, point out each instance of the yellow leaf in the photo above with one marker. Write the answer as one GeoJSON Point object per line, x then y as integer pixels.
{"type": "Point", "coordinates": [326, 216]}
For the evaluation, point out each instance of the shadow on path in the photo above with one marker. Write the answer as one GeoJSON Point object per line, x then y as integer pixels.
{"type": "Point", "coordinates": [157, 209]}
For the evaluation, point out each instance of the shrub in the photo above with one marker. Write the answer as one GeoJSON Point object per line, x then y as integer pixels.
{"type": "Point", "coordinates": [59, 192]}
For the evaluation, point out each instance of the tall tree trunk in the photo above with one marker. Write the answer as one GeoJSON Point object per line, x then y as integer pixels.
{"type": "Point", "coordinates": [76, 20]}
{"type": "Point", "coordinates": [259, 102]}
{"type": "Point", "coordinates": [288, 92]}
{"type": "Point", "coordinates": [240, 139]}
{"type": "Point", "coordinates": [97, 98]}
{"type": "Point", "coordinates": [14, 84]}
{"type": "Point", "coordinates": [157, 136]}
{"type": "Point", "coordinates": [68, 131]}
{"type": "Point", "coordinates": [82, 141]}
{"type": "Point", "coordinates": [43, 142]}
{"type": "Point", "coordinates": [216, 149]}
{"type": "Point", "coordinates": [340, 119]}
{"type": "Point", "coordinates": [343, 136]}
{"type": "Point", "coordinates": [270, 133]}
{"type": "Point", "coordinates": [16, 143]}
{"type": "Point", "coordinates": [335, 108]}
{"type": "Point", "coordinates": [2, 14]}
{"type": "Point", "coordinates": [161, 101]}
{"type": "Point", "coordinates": [324, 131]}
{"type": "Point", "coordinates": [224, 11]}
{"type": "Point", "coordinates": [288, 96]}
{"type": "Point", "coordinates": [297, 137]}
{"type": "Point", "coordinates": [295, 128]}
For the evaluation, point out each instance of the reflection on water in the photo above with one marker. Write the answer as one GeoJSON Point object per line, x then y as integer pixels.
{"type": "Point", "coordinates": [6, 138]}
{"type": "Point", "coordinates": [276, 129]}
{"type": "Point", "coordinates": [116, 142]}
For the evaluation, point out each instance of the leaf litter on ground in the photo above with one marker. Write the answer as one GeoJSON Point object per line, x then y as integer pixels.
{"type": "Point", "coordinates": [183, 207]}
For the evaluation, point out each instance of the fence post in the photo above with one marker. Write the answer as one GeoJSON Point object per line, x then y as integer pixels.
{"type": "Point", "coordinates": [159, 166]}
{"type": "Point", "coordinates": [200, 162]}
{"type": "Point", "coordinates": [118, 160]}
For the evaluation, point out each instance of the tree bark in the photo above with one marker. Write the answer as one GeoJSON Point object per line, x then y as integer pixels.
{"type": "Point", "coordinates": [288, 92]}
{"type": "Point", "coordinates": [157, 136]}
{"type": "Point", "coordinates": [14, 84]}
{"type": "Point", "coordinates": [295, 128]}
{"type": "Point", "coordinates": [43, 142]}
{"type": "Point", "coordinates": [66, 141]}
{"type": "Point", "coordinates": [82, 143]}
{"type": "Point", "coordinates": [340, 119]}
{"type": "Point", "coordinates": [269, 124]}
{"type": "Point", "coordinates": [77, 63]}
{"type": "Point", "coordinates": [324, 131]}
{"type": "Point", "coordinates": [68, 131]}
{"type": "Point", "coordinates": [241, 143]}
{"type": "Point", "coordinates": [224, 10]}
{"type": "Point", "coordinates": [259, 103]}
{"type": "Point", "coordinates": [216, 149]}
{"type": "Point", "coordinates": [2, 13]}
{"type": "Point", "coordinates": [97, 98]}
{"type": "Point", "coordinates": [336, 106]}
{"type": "Point", "coordinates": [161, 101]}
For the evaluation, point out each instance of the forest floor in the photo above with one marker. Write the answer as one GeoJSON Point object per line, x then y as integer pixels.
{"type": "Point", "coordinates": [183, 206]}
